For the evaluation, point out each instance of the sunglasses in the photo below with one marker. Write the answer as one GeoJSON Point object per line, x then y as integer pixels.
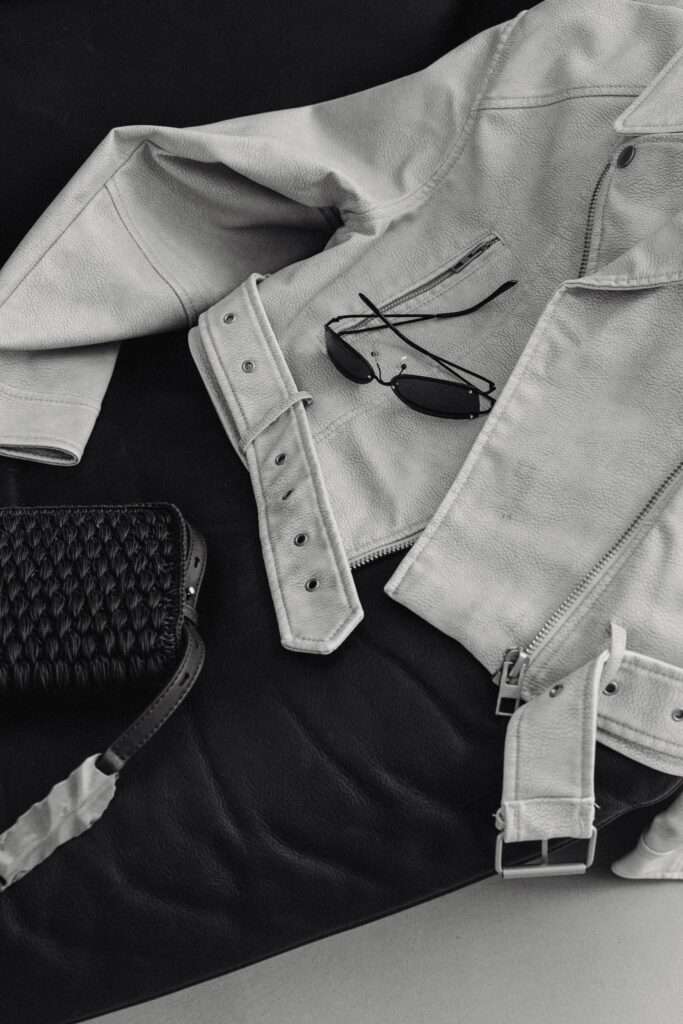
{"type": "Point", "coordinates": [466, 397]}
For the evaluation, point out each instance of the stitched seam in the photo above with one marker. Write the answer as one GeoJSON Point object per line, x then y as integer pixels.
{"type": "Point", "coordinates": [533, 102]}
{"type": "Point", "coordinates": [673, 675]}
{"type": "Point", "coordinates": [67, 226]}
{"type": "Point", "coordinates": [451, 157]}
{"type": "Point", "coordinates": [49, 441]}
{"type": "Point", "coordinates": [127, 224]}
{"type": "Point", "coordinates": [29, 396]}
{"type": "Point", "coordinates": [625, 731]}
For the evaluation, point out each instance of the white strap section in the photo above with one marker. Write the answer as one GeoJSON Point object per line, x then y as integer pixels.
{"type": "Point", "coordinates": [659, 853]}
{"type": "Point", "coordinates": [548, 784]}
{"type": "Point", "coordinates": [70, 808]}
{"type": "Point", "coordinates": [243, 366]}
{"type": "Point", "coordinates": [273, 414]}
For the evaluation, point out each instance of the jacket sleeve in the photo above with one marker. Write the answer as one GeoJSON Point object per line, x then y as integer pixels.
{"type": "Point", "coordinates": [159, 223]}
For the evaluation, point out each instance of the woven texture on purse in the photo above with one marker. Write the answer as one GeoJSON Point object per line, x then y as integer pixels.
{"type": "Point", "coordinates": [91, 599]}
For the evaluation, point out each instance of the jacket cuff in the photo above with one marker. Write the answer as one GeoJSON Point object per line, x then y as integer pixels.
{"type": "Point", "coordinates": [43, 429]}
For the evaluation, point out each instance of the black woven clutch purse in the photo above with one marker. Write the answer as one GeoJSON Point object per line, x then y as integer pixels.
{"type": "Point", "coordinates": [96, 603]}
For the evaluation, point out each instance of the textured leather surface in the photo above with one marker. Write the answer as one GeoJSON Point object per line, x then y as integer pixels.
{"type": "Point", "coordinates": [505, 139]}
{"type": "Point", "coordinates": [90, 600]}
{"type": "Point", "coordinates": [289, 797]}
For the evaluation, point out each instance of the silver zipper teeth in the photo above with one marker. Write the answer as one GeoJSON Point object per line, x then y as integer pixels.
{"type": "Point", "coordinates": [389, 549]}
{"type": "Point", "coordinates": [581, 586]}
{"type": "Point", "coordinates": [590, 219]}
{"type": "Point", "coordinates": [455, 268]}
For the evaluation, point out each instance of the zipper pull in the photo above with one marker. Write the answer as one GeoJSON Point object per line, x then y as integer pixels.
{"type": "Point", "coordinates": [465, 260]}
{"type": "Point", "coordinates": [509, 678]}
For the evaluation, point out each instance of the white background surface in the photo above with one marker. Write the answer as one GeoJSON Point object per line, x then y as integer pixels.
{"type": "Point", "coordinates": [587, 950]}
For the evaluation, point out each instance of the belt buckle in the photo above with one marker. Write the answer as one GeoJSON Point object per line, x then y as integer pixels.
{"type": "Point", "coordinates": [544, 869]}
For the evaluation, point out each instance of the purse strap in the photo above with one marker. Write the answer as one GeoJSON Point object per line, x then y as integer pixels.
{"type": "Point", "coordinates": [77, 802]}
{"type": "Point", "coordinates": [139, 732]}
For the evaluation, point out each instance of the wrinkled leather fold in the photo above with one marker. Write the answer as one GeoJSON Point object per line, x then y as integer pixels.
{"type": "Point", "coordinates": [70, 808]}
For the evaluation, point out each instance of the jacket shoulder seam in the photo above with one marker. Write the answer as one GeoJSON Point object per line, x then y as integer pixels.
{"type": "Point", "coordinates": [420, 192]}
{"type": "Point", "coordinates": [66, 227]}
{"type": "Point", "coordinates": [135, 237]}
{"type": "Point", "coordinates": [493, 101]}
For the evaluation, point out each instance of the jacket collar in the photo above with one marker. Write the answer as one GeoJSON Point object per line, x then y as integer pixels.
{"type": "Point", "coordinates": [659, 107]}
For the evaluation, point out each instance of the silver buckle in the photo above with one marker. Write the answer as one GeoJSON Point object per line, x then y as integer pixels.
{"type": "Point", "coordinates": [544, 869]}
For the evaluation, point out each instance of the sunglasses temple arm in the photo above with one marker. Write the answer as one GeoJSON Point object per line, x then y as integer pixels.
{"type": "Point", "coordinates": [446, 364]}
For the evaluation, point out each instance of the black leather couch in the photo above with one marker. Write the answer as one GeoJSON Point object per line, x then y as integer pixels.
{"type": "Point", "coordinates": [291, 796]}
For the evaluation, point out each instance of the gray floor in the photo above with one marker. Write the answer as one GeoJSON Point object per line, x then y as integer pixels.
{"type": "Point", "coordinates": [594, 949]}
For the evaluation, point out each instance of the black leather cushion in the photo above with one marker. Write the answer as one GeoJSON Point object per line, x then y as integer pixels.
{"type": "Point", "coordinates": [291, 796]}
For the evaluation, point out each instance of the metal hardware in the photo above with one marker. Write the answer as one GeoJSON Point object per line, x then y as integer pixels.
{"type": "Point", "coordinates": [590, 219]}
{"type": "Point", "coordinates": [300, 539]}
{"type": "Point", "coordinates": [577, 592]}
{"type": "Point", "coordinates": [455, 268]}
{"type": "Point", "coordinates": [544, 869]}
{"type": "Point", "coordinates": [677, 714]}
{"type": "Point", "coordinates": [311, 584]}
{"type": "Point", "coordinates": [509, 679]}
{"type": "Point", "coordinates": [229, 318]}
{"type": "Point", "coordinates": [554, 690]}
{"type": "Point", "coordinates": [248, 366]}
{"type": "Point", "coordinates": [626, 156]}
{"type": "Point", "coordinates": [280, 458]}
{"type": "Point", "coordinates": [610, 689]}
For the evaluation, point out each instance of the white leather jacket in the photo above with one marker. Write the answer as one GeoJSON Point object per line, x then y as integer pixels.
{"type": "Point", "coordinates": [547, 150]}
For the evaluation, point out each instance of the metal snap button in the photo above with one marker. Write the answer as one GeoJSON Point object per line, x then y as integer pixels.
{"type": "Point", "coordinates": [610, 689]}
{"type": "Point", "coordinates": [677, 714]}
{"type": "Point", "coordinates": [311, 584]}
{"type": "Point", "coordinates": [300, 539]}
{"type": "Point", "coordinates": [280, 458]}
{"type": "Point", "coordinates": [627, 154]}
{"type": "Point", "coordinates": [229, 318]}
{"type": "Point", "coordinates": [554, 690]}
{"type": "Point", "coordinates": [248, 366]}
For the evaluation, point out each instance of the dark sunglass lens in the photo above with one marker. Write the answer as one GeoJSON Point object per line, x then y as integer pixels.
{"type": "Point", "coordinates": [347, 359]}
{"type": "Point", "coordinates": [437, 397]}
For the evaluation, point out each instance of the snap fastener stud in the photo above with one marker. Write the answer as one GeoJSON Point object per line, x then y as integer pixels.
{"type": "Point", "coordinates": [248, 366]}
{"type": "Point", "coordinates": [300, 539]}
{"type": "Point", "coordinates": [627, 154]}
{"type": "Point", "coordinates": [311, 584]}
{"type": "Point", "coordinates": [308, 402]}
{"type": "Point", "coordinates": [554, 690]}
{"type": "Point", "coordinates": [229, 318]}
{"type": "Point", "coordinates": [677, 714]}
{"type": "Point", "coordinates": [610, 689]}
{"type": "Point", "coordinates": [280, 458]}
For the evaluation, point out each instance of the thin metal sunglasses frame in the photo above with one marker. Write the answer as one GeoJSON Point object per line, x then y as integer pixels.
{"type": "Point", "coordinates": [466, 383]}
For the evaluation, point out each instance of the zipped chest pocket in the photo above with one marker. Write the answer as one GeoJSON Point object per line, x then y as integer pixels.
{"type": "Point", "coordinates": [449, 276]}
{"type": "Point", "coordinates": [466, 279]}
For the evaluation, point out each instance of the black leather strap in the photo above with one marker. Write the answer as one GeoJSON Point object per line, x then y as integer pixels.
{"type": "Point", "coordinates": [162, 707]}
{"type": "Point", "coordinates": [185, 676]}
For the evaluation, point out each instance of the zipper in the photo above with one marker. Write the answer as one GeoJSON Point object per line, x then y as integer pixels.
{"type": "Point", "coordinates": [515, 663]}
{"type": "Point", "coordinates": [590, 219]}
{"type": "Point", "coordinates": [382, 552]}
{"type": "Point", "coordinates": [455, 268]}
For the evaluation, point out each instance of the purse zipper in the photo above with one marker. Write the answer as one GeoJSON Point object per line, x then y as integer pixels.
{"type": "Point", "coordinates": [515, 664]}
{"type": "Point", "coordinates": [590, 219]}
{"type": "Point", "coordinates": [455, 268]}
